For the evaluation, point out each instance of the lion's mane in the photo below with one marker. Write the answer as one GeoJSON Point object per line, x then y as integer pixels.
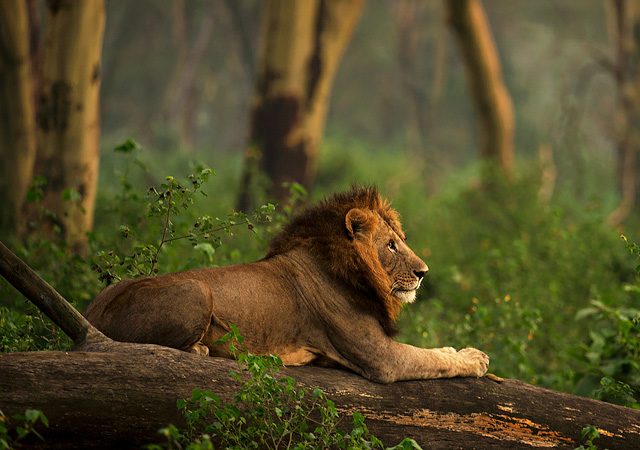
{"type": "Point", "coordinates": [322, 231]}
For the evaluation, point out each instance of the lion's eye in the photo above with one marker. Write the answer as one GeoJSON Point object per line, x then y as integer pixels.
{"type": "Point", "coordinates": [392, 246]}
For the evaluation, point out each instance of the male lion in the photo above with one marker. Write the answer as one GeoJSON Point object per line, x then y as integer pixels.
{"type": "Point", "coordinates": [327, 292]}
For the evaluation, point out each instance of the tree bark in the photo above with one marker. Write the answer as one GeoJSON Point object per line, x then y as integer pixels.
{"type": "Point", "coordinates": [114, 400]}
{"type": "Point", "coordinates": [17, 112]}
{"type": "Point", "coordinates": [302, 45]}
{"type": "Point", "coordinates": [68, 124]}
{"type": "Point", "coordinates": [469, 23]}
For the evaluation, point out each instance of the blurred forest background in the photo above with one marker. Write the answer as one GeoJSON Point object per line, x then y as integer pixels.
{"type": "Point", "coordinates": [507, 138]}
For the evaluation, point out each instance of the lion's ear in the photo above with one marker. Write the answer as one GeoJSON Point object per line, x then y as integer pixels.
{"type": "Point", "coordinates": [358, 221]}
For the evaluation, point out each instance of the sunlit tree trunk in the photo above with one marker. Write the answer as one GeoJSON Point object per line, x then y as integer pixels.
{"type": "Point", "coordinates": [302, 44]}
{"type": "Point", "coordinates": [68, 123]}
{"type": "Point", "coordinates": [17, 112]}
{"type": "Point", "coordinates": [625, 23]}
{"type": "Point", "coordinates": [469, 23]}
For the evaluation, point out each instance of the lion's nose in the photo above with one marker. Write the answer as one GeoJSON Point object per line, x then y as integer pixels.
{"type": "Point", "coordinates": [421, 273]}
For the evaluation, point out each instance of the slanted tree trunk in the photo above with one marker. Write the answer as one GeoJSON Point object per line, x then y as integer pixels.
{"type": "Point", "coordinates": [17, 112]}
{"type": "Point", "coordinates": [469, 23]}
{"type": "Point", "coordinates": [68, 124]}
{"type": "Point", "coordinates": [302, 44]}
{"type": "Point", "coordinates": [109, 394]}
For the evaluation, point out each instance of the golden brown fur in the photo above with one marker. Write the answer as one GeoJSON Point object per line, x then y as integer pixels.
{"type": "Point", "coordinates": [328, 290]}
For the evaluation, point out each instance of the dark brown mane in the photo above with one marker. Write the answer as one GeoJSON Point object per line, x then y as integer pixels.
{"type": "Point", "coordinates": [321, 230]}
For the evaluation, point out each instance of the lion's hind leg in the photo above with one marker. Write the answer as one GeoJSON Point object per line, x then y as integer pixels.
{"type": "Point", "coordinates": [163, 311]}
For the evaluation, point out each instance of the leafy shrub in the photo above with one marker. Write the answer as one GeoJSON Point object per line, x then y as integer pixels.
{"type": "Point", "coordinates": [29, 331]}
{"type": "Point", "coordinates": [165, 206]}
{"type": "Point", "coordinates": [15, 429]}
{"type": "Point", "coordinates": [23, 327]}
{"type": "Point", "coordinates": [508, 275]}
{"type": "Point", "coordinates": [269, 412]}
{"type": "Point", "coordinates": [141, 235]}
{"type": "Point", "coordinates": [589, 434]}
{"type": "Point", "coordinates": [611, 357]}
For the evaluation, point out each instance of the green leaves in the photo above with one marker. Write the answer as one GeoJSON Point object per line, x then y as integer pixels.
{"type": "Point", "coordinates": [128, 147]}
{"type": "Point", "coordinates": [612, 355]}
{"type": "Point", "coordinates": [589, 434]}
{"type": "Point", "coordinates": [35, 192]}
{"type": "Point", "coordinates": [268, 412]}
{"type": "Point", "coordinates": [25, 426]}
{"type": "Point", "coordinates": [166, 220]}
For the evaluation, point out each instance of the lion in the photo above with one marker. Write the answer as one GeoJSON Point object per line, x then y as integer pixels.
{"type": "Point", "coordinates": [327, 292]}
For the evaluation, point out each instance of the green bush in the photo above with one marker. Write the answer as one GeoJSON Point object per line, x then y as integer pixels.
{"type": "Point", "coordinates": [611, 356]}
{"type": "Point", "coordinates": [15, 428]}
{"type": "Point", "coordinates": [509, 274]}
{"type": "Point", "coordinates": [268, 412]}
{"type": "Point", "coordinates": [136, 235]}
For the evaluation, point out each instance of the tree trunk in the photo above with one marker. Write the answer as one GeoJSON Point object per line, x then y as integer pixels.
{"type": "Point", "coordinates": [626, 71]}
{"type": "Point", "coordinates": [114, 400]}
{"type": "Point", "coordinates": [422, 94]}
{"type": "Point", "coordinates": [469, 23]}
{"type": "Point", "coordinates": [68, 115]}
{"type": "Point", "coordinates": [302, 45]}
{"type": "Point", "coordinates": [17, 112]}
{"type": "Point", "coordinates": [180, 110]}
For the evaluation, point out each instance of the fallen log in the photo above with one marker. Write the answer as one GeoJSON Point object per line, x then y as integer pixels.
{"type": "Point", "coordinates": [118, 400]}
{"type": "Point", "coordinates": [107, 394]}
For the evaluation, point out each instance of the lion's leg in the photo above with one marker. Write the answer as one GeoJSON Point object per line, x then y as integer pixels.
{"type": "Point", "coordinates": [216, 330]}
{"type": "Point", "coordinates": [195, 301]}
{"type": "Point", "coordinates": [161, 311]}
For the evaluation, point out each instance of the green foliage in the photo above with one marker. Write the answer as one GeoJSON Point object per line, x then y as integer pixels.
{"type": "Point", "coordinates": [268, 412]}
{"type": "Point", "coordinates": [138, 235]}
{"type": "Point", "coordinates": [589, 434]}
{"type": "Point", "coordinates": [543, 288]}
{"type": "Point", "coordinates": [15, 429]}
{"type": "Point", "coordinates": [169, 217]}
{"type": "Point", "coordinates": [23, 327]}
{"type": "Point", "coordinates": [612, 354]}
{"type": "Point", "coordinates": [611, 357]}
{"type": "Point", "coordinates": [165, 207]}
{"type": "Point", "coordinates": [509, 274]}
{"type": "Point", "coordinates": [28, 331]}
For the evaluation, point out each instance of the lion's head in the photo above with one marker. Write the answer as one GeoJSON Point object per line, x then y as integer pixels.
{"type": "Point", "coordinates": [358, 238]}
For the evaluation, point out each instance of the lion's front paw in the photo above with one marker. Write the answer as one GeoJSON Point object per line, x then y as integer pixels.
{"type": "Point", "coordinates": [447, 350]}
{"type": "Point", "coordinates": [477, 362]}
{"type": "Point", "coordinates": [199, 349]}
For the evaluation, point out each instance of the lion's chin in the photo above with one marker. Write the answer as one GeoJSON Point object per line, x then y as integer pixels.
{"type": "Point", "coordinates": [405, 296]}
